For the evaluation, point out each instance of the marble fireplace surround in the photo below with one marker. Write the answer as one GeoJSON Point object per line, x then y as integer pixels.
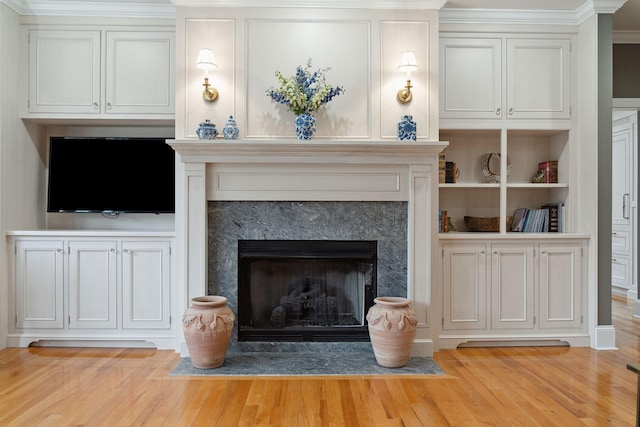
{"type": "Point", "coordinates": [266, 170]}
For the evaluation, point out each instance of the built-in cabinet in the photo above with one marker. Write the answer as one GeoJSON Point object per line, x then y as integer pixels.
{"type": "Point", "coordinates": [505, 108]}
{"type": "Point", "coordinates": [504, 77]}
{"type": "Point", "coordinates": [624, 202]}
{"type": "Point", "coordinates": [101, 72]}
{"type": "Point", "coordinates": [98, 286]}
{"type": "Point", "coordinates": [513, 290]}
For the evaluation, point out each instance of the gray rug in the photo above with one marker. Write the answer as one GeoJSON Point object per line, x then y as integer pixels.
{"type": "Point", "coordinates": [291, 364]}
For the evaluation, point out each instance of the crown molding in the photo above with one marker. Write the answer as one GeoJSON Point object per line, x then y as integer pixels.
{"type": "Point", "coordinates": [323, 4]}
{"type": "Point", "coordinates": [167, 9]}
{"type": "Point", "coordinates": [529, 16]}
{"type": "Point", "coordinates": [626, 37]}
{"type": "Point", "coordinates": [92, 8]}
{"type": "Point", "coordinates": [507, 16]}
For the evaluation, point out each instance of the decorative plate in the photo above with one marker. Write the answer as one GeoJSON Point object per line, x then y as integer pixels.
{"type": "Point", "coordinates": [488, 161]}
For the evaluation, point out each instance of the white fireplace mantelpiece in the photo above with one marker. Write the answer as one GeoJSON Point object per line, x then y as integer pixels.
{"type": "Point", "coordinates": [304, 171]}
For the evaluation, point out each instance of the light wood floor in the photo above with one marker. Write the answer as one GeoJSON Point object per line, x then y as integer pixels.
{"type": "Point", "coordinates": [520, 386]}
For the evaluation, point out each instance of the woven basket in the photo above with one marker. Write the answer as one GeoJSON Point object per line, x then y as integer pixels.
{"type": "Point", "coordinates": [485, 224]}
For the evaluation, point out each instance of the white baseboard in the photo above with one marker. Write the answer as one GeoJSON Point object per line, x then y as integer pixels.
{"type": "Point", "coordinates": [605, 338]}
{"type": "Point", "coordinates": [422, 348]}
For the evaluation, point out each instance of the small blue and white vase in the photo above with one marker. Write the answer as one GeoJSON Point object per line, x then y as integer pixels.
{"type": "Point", "coordinates": [207, 130]}
{"type": "Point", "coordinates": [230, 130]}
{"type": "Point", "coordinates": [305, 126]}
{"type": "Point", "coordinates": [407, 129]}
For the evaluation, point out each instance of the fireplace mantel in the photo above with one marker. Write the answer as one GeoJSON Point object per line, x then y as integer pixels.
{"type": "Point", "coordinates": [320, 151]}
{"type": "Point", "coordinates": [316, 170]}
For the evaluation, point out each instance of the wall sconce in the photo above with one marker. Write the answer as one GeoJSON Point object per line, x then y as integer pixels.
{"type": "Point", "coordinates": [407, 63]}
{"type": "Point", "coordinates": [206, 61]}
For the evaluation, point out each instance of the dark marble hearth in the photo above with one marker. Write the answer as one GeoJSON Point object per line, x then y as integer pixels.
{"type": "Point", "coordinates": [306, 364]}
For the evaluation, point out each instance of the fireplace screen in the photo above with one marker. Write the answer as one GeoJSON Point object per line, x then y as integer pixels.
{"type": "Point", "coordinates": [305, 290]}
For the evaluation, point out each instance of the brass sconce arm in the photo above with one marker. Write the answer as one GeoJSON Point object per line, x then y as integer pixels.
{"type": "Point", "coordinates": [210, 94]}
{"type": "Point", "coordinates": [404, 95]}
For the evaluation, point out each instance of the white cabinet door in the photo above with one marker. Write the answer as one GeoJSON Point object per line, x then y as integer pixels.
{"type": "Point", "coordinates": [560, 286]}
{"type": "Point", "coordinates": [503, 77]}
{"type": "Point", "coordinates": [92, 284]}
{"type": "Point", "coordinates": [464, 287]}
{"type": "Point", "coordinates": [621, 156]}
{"type": "Point", "coordinates": [471, 78]}
{"type": "Point", "coordinates": [140, 72]}
{"type": "Point", "coordinates": [621, 271]}
{"type": "Point", "coordinates": [538, 78]}
{"type": "Point", "coordinates": [39, 281]}
{"type": "Point", "coordinates": [512, 284]}
{"type": "Point", "coordinates": [64, 71]}
{"type": "Point", "coordinates": [146, 283]}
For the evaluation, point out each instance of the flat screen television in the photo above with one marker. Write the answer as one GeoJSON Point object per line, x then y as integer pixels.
{"type": "Point", "coordinates": [111, 175]}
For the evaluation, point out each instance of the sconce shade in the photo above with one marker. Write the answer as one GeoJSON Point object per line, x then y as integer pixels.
{"type": "Point", "coordinates": [206, 60]}
{"type": "Point", "coordinates": [408, 62]}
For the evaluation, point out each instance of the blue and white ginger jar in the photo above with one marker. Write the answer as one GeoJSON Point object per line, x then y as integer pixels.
{"type": "Point", "coordinates": [230, 130]}
{"type": "Point", "coordinates": [407, 129]}
{"type": "Point", "coordinates": [207, 130]}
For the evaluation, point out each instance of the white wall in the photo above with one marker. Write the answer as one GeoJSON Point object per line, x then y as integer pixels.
{"type": "Point", "coordinates": [21, 156]}
{"type": "Point", "coordinates": [363, 47]}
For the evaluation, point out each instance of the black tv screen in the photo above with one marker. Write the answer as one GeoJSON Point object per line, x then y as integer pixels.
{"type": "Point", "coordinates": [111, 175]}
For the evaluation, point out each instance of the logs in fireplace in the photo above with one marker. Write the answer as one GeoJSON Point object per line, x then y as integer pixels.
{"type": "Point", "coordinates": [305, 290]}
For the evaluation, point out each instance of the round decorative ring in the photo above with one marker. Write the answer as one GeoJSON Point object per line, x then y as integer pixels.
{"type": "Point", "coordinates": [485, 165]}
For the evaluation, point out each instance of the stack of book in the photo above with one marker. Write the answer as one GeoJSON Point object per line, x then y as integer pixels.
{"type": "Point", "coordinates": [443, 221]}
{"type": "Point", "coordinates": [550, 169]}
{"type": "Point", "coordinates": [547, 219]}
{"type": "Point", "coordinates": [441, 168]}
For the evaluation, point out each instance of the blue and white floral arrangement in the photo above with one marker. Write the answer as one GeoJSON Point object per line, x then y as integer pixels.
{"type": "Point", "coordinates": [304, 93]}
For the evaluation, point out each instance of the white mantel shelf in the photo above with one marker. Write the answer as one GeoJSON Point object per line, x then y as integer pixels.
{"type": "Point", "coordinates": [314, 151]}
{"type": "Point", "coordinates": [316, 170]}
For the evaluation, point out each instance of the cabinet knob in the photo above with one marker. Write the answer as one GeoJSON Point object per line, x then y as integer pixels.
{"type": "Point", "coordinates": [511, 111]}
{"type": "Point", "coordinates": [614, 234]}
{"type": "Point", "coordinates": [498, 111]}
{"type": "Point", "coordinates": [108, 106]}
{"type": "Point", "coordinates": [60, 251]}
{"type": "Point", "coordinates": [115, 251]}
{"type": "Point", "coordinates": [126, 251]}
{"type": "Point", "coordinates": [95, 105]}
{"type": "Point", "coordinates": [614, 260]}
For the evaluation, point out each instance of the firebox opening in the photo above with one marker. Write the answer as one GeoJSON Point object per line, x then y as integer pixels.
{"type": "Point", "coordinates": [305, 290]}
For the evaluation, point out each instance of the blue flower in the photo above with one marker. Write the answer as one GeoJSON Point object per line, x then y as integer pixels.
{"type": "Point", "coordinates": [304, 92]}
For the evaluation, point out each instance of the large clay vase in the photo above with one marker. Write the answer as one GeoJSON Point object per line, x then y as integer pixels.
{"type": "Point", "coordinates": [207, 325]}
{"type": "Point", "coordinates": [392, 327]}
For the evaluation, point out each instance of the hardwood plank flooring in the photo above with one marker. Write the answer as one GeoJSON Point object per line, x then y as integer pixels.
{"type": "Point", "coordinates": [495, 386]}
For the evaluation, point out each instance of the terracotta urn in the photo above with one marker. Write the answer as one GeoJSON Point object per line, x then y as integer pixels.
{"type": "Point", "coordinates": [392, 327]}
{"type": "Point", "coordinates": [207, 325]}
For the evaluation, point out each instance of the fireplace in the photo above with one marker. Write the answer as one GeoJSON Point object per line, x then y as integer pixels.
{"type": "Point", "coordinates": [287, 173]}
{"type": "Point", "coordinates": [305, 290]}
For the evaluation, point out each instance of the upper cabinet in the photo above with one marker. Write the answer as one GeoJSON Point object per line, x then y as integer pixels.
{"type": "Point", "coordinates": [503, 78]}
{"type": "Point", "coordinates": [99, 73]}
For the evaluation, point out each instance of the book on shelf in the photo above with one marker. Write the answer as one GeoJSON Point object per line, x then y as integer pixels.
{"type": "Point", "coordinates": [556, 217]}
{"type": "Point", "coordinates": [550, 169]}
{"type": "Point", "coordinates": [441, 168]}
{"type": "Point", "coordinates": [450, 172]}
{"type": "Point", "coordinates": [443, 221]}
{"type": "Point", "coordinates": [519, 217]}
{"type": "Point", "coordinates": [546, 219]}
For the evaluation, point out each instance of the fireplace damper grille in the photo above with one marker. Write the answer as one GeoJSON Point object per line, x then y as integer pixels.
{"type": "Point", "coordinates": [305, 290]}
